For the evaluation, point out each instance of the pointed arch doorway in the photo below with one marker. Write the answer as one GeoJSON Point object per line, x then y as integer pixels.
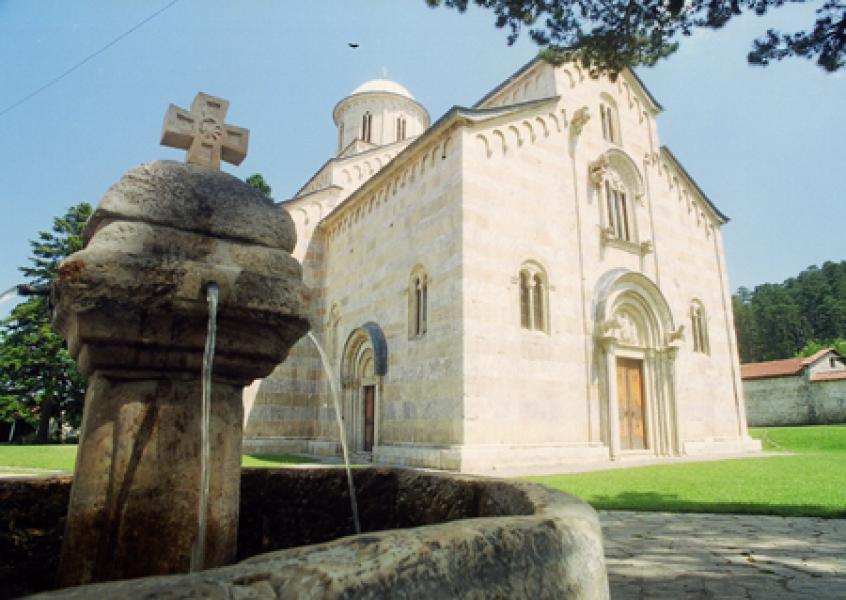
{"type": "Point", "coordinates": [363, 366]}
{"type": "Point", "coordinates": [636, 337]}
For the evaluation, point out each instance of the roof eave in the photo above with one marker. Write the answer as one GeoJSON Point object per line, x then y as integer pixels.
{"type": "Point", "coordinates": [720, 215]}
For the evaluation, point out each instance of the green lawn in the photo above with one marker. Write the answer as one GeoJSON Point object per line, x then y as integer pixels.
{"type": "Point", "coordinates": [36, 459]}
{"type": "Point", "coordinates": [812, 482]}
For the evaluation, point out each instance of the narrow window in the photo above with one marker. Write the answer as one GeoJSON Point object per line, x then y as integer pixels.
{"type": "Point", "coordinates": [366, 126]}
{"type": "Point", "coordinates": [603, 120]}
{"type": "Point", "coordinates": [400, 128]}
{"type": "Point", "coordinates": [698, 329]}
{"type": "Point", "coordinates": [525, 319]}
{"type": "Point", "coordinates": [624, 214]}
{"type": "Point", "coordinates": [424, 308]}
{"type": "Point", "coordinates": [609, 203]}
{"type": "Point", "coordinates": [608, 117]}
{"type": "Point", "coordinates": [417, 306]}
{"type": "Point", "coordinates": [617, 208]}
{"type": "Point", "coordinates": [538, 303]}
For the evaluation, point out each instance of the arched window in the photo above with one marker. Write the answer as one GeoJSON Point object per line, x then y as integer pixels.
{"type": "Point", "coordinates": [618, 224]}
{"type": "Point", "coordinates": [609, 119]}
{"type": "Point", "coordinates": [534, 297]}
{"type": "Point", "coordinates": [366, 126]}
{"type": "Point", "coordinates": [619, 189]}
{"type": "Point", "coordinates": [418, 291]}
{"type": "Point", "coordinates": [400, 128]}
{"type": "Point", "coordinates": [699, 328]}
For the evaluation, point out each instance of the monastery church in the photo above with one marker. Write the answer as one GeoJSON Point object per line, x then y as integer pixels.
{"type": "Point", "coordinates": [529, 282]}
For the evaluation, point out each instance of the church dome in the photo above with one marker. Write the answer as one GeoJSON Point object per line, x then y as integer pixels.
{"type": "Point", "coordinates": [379, 112]}
{"type": "Point", "coordinates": [382, 86]}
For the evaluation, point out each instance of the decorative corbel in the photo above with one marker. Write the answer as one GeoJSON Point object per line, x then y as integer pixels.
{"type": "Point", "coordinates": [597, 170]}
{"type": "Point", "coordinates": [646, 247]}
{"type": "Point", "coordinates": [677, 335]}
{"type": "Point", "coordinates": [606, 329]}
{"type": "Point", "coordinates": [579, 120]}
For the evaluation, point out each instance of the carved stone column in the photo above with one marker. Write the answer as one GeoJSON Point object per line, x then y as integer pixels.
{"type": "Point", "coordinates": [132, 308]}
{"type": "Point", "coordinates": [609, 347]}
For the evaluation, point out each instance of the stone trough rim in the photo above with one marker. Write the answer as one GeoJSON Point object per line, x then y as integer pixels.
{"type": "Point", "coordinates": [551, 509]}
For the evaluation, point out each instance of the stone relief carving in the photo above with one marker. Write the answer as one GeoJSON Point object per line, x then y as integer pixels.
{"type": "Point", "coordinates": [607, 329]}
{"type": "Point", "coordinates": [628, 331]}
{"type": "Point", "coordinates": [579, 120]}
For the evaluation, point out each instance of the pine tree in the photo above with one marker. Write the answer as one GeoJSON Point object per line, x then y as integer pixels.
{"type": "Point", "coordinates": [38, 379]}
{"type": "Point", "coordinates": [613, 34]}
{"type": "Point", "coordinates": [797, 317]}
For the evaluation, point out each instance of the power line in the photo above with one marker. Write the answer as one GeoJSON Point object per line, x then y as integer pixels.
{"type": "Point", "coordinates": [86, 59]}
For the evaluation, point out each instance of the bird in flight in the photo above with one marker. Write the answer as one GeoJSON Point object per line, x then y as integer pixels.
{"type": "Point", "coordinates": [352, 44]}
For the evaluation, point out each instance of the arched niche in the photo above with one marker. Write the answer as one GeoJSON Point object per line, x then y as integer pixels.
{"type": "Point", "coordinates": [364, 363]}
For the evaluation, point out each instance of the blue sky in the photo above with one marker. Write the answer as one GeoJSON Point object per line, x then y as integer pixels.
{"type": "Point", "coordinates": [764, 144]}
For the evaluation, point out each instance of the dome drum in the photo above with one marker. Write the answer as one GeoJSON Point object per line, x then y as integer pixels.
{"type": "Point", "coordinates": [379, 112]}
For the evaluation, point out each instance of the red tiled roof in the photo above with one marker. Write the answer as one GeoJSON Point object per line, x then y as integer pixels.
{"type": "Point", "coordinates": [780, 368]}
{"type": "Point", "coordinates": [772, 368]}
{"type": "Point", "coordinates": [829, 376]}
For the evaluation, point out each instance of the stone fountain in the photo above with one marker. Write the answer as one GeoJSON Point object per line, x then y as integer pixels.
{"type": "Point", "coordinates": [132, 306]}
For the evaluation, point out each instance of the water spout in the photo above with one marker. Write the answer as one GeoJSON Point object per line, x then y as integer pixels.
{"type": "Point", "coordinates": [199, 549]}
{"type": "Point", "coordinates": [336, 398]}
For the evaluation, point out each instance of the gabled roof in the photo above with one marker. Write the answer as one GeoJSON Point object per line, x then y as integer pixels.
{"type": "Point", "coordinates": [537, 59]}
{"type": "Point", "coordinates": [772, 368]}
{"type": "Point", "coordinates": [781, 368]}
{"type": "Point", "coordinates": [456, 114]}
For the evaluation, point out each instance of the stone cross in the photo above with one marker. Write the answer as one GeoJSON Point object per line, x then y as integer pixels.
{"type": "Point", "coordinates": [203, 133]}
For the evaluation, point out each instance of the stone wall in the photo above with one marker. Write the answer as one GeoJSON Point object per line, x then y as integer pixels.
{"type": "Point", "coordinates": [794, 400]}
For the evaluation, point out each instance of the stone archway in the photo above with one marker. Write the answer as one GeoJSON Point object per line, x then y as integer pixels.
{"type": "Point", "coordinates": [363, 366]}
{"type": "Point", "coordinates": [636, 335]}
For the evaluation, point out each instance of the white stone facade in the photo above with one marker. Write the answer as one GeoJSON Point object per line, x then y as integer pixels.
{"type": "Point", "coordinates": [559, 254]}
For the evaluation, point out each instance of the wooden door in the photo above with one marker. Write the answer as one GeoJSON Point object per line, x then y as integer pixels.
{"type": "Point", "coordinates": [369, 414]}
{"type": "Point", "coordinates": [630, 397]}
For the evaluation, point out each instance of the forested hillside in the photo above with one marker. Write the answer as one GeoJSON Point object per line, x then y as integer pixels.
{"type": "Point", "coordinates": [779, 320]}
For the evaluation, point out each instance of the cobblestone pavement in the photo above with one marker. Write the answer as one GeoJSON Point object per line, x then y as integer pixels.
{"type": "Point", "coordinates": [726, 557]}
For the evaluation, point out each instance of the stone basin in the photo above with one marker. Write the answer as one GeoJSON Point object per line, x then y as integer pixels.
{"type": "Point", "coordinates": [426, 535]}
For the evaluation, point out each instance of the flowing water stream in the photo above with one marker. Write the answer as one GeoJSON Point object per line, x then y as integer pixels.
{"type": "Point", "coordinates": [9, 294]}
{"type": "Point", "coordinates": [336, 398]}
{"type": "Point", "coordinates": [199, 549]}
